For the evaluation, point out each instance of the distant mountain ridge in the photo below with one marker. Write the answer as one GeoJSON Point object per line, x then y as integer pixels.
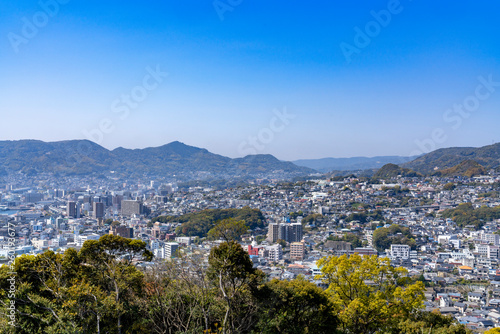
{"type": "Point", "coordinates": [79, 157]}
{"type": "Point", "coordinates": [83, 156]}
{"type": "Point", "coordinates": [350, 164]}
{"type": "Point", "coordinates": [444, 158]}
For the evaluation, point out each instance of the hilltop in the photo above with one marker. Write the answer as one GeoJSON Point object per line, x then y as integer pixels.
{"type": "Point", "coordinates": [444, 158]}
{"type": "Point", "coordinates": [78, 157]}
{"type": "Point", "coordinates": [392, 170]}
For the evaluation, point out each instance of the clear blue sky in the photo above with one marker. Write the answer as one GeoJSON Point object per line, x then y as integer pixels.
{"type": "Point", "coordinates": [227, 77]}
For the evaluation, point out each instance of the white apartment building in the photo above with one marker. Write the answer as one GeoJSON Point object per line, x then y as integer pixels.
{"type": "Point", "coordinates": [275, 253]}
{"type": "Point", "coordinates": [170, 249]}
{"type": "Point", "coordinates": [400, 252]}
{"type": "Point", "coordinates": [490, 238]}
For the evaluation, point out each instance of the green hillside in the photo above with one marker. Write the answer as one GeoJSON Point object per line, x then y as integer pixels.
{"type": "Point", "coordinates": [487, 156]}
{"type": "Point", "coordinates": [199, 223]}
{"type": "Point", "coordinates": [85, 157]}
{"type": "Point", "coordinates": [391, 170]}
{"type": "Point", "coordinates": [467, 168]}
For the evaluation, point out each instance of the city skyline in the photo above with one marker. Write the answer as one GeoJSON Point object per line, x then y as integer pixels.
{"type": "Point", "coordinates": [366, 79]}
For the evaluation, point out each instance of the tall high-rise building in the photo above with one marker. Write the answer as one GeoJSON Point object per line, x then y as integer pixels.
{"type": "Point", "coordinates": [295, 232]}
{"type": "Point", "coordinates": [285, 231]}
{"type": "Point", "coordinates": [117, 201]}
{"type": "Point", "coordinates": [71, 209]}
{"type": "Point", "coordinates": [273, 232]}
{"type": "Point", "coordinates": [130, 208]}
{"type": "Point", "coordinates": [59, 222]}
{"type": "Point", "coordinates": [33, 197]}
{"type": "Point", "coordinates": [98, 210]}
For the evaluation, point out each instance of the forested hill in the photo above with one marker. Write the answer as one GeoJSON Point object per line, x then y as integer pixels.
{"type": "Point", "coordinates": [392, 170]}
{"type": "Point", "coordinates": [486, 156]}
{"type": "Point", "coordinates": [467, 168]}
{"type": "Point", "coordinates": [76, 157]}
{"type": "Point", "coordinates": [199, 223]}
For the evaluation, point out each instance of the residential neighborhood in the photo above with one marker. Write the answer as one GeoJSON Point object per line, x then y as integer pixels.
{"type": "Point", "coordinates": [404, 219]}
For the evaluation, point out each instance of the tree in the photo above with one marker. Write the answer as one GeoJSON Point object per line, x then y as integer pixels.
{"type": "Point", "coordinates": [296, 307]}
{"type": "Point", "coordinates": [179, 298]}
{"type": "Point", "coordinates": [107, 263]}
{"type": "Point", "coordinates": [53, 297]}
{"type": "Point", "coordinates": [281, 242]}
{"type": "Point", "coordinates": [231, 271]}
{"type": "Point", "coordinates": [431, 323]}
{"type": "Point", "coordinates": [493, 331]}
{"type": "Point", "coordinates": [465, 214]}
{"type": "Point", "coordinates": [312, 218]}
{"type": "Point", "coordinates": [199, 223]}
{"type": "Point", "coordinates": [369, 294]}
{"type": "Point", "coordinates": [348, 237]}
{"type": "Point", "coordinates": [294, 215]}
{"type": "Point", "coordinates": [449, 186]}
{"type": "Point", "coordinates": [394, 234]}
{"type": "Point", "coordinates": [228, 229]}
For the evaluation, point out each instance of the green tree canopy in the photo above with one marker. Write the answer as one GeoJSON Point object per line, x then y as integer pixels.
{"type": "Point", "coordinates": [96, 289]}
{"type": "Point", "coordinates": [465, 214]}
{"type": "Point", "coordinates": [232, 272]}
{"type": "Point", "coordinates": [296, 307]}
{"type": "Point", "coordinates": [199, 223]}
{"type": "Point", "coordinates": [432, 323]}
{"type": "Point", "coordinates": [369, 294]}
{"type": "Point", "coordinates": [395, 234]}
{"type": "Point", "coordinates": [228, 229]}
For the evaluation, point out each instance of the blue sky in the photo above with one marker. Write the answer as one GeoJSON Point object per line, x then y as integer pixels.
{"type": "Point", "coordinates": [228, 78]}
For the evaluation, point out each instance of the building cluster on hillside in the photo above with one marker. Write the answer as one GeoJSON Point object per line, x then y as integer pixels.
{"type": "Point", "coordinates": [305, 221]}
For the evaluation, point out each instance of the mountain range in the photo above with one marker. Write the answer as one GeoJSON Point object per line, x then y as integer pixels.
{"type": "Point", "coordinates": [82, 156]}
{"type": "Point", "coordinates": [444, 158]}
{"type": "Point", "coordinates": [79, 157]}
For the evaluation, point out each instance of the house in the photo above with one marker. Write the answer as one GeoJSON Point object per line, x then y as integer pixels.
{"type": "Point", "coordinates": [464, 270]}
{"type": "Point", "coordinates": [486, 324]}
{"type": "Point", "coordinates": [447, 310]}
{"type": "Point", "coordinates": [445, 301]}
{"type": "Point", "coordinates": [475, 297]}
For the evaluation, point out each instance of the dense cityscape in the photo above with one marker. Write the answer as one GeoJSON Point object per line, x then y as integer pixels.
{"type": "Point", "coordinates": [416, 222]}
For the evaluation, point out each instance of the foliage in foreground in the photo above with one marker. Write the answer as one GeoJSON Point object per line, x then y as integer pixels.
{"type": "Point", "coordinates": [100, 290]}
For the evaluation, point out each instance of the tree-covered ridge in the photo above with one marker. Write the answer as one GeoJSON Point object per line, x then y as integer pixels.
{"type": "Point", "coordinates": [199, 223]}
{"type": "Point", "coordinates": [352, 238]}
{"type": "Point", "coordinates": [391, 170]}
{"type": "Point", "coordinates": [486, 156]}
{"type": "Point", "coordinates": [468, 168]}
{"type": "Point", "coordinates": [76, 157]}
{"type": "Point", "coordinates": [100, 290]}
{"type": "Point", "coordinates": [384, 237]}
{"type": "Point", "coordinates": [365, 216]}
{"type": "Point", "coordinates": [465, 214]}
